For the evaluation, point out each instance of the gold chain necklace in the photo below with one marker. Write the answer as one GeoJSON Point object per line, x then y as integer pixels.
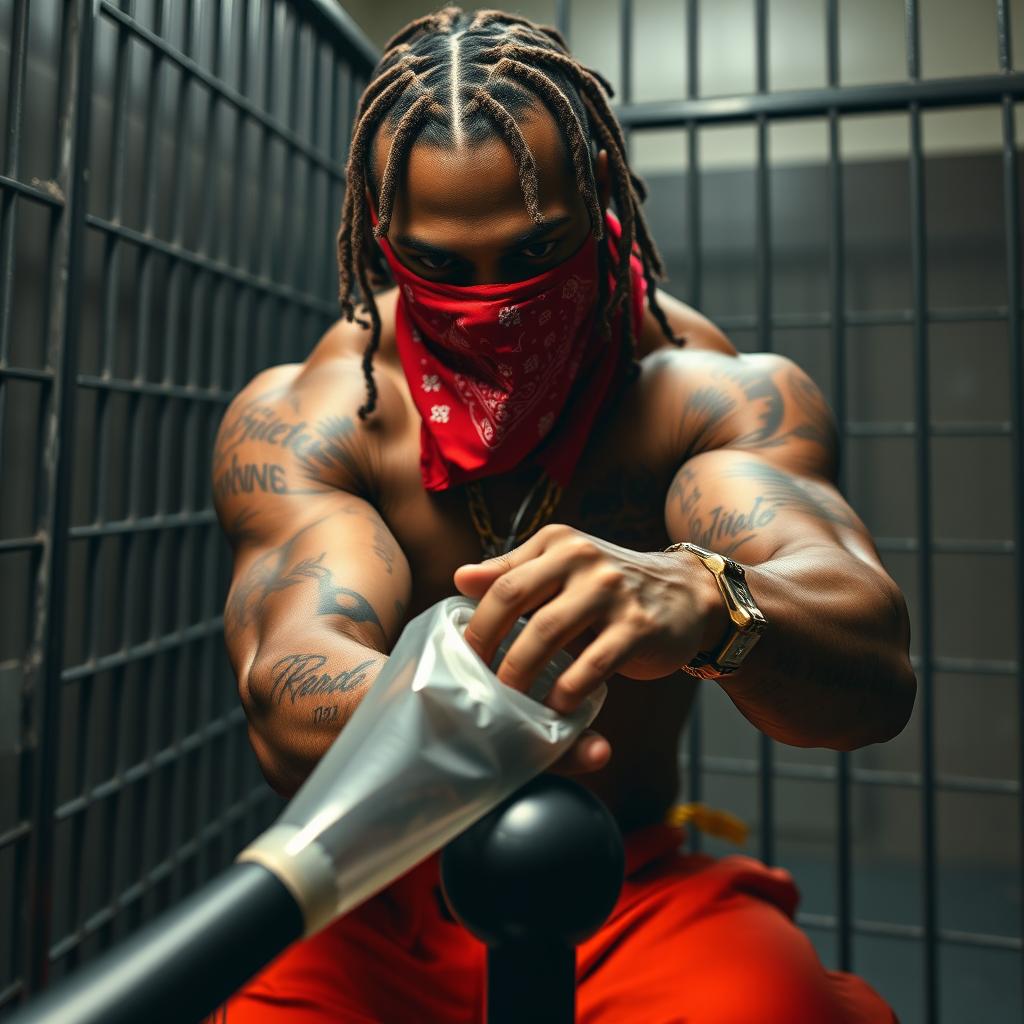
{"type": "Point", "coordinates": [490, 541]}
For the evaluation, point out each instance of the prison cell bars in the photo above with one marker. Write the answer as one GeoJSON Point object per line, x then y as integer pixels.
{"type": "Point", "coordinates": [922, 419]}
{"type": "Point", "coordinates": [912, 96]}
{"type": "Point", "coordinates": [837, 306]}
{"type": "Point", "coordinates": [214, 284]}
{"type": "Point", "coordinates": [1011, 216]}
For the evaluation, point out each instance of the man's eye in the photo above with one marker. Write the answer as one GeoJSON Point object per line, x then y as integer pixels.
{"type": "Point", "coordinates": [539, 250]}
{"type": "Point", "coordinates": [435, 262]}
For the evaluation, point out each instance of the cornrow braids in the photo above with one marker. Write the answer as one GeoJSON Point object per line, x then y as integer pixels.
{"type": "Point", "coordinates": [451, 79]}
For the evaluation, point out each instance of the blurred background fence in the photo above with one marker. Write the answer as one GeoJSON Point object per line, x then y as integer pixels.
{"type": "Point", "coordinates": [836, 180]}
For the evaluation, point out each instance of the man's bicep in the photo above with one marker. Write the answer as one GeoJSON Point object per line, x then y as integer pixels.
{"type": "Point", "coordinates": [742, 505]}
{"type": "Point", "coordinates": [326, 564]}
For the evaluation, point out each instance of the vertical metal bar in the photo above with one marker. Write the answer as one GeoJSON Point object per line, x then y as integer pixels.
{"type": "Point", "coordinates": [626, 51]}
{"type": "Point", "coordinates": [47, 649]}
{"type": "Point", "coordinates": [238, 295]}
{"type": "Point", "coordinates": [919, 271]}
{"type": "Point", "coordinates": [1011, 215]}
{"type": "Point", "coordinates": [197, 436]}
{"type": "Point", "coordinates": [695, 768]}
{"type": "Point", "coordinates": [12, 153]}
{"type": "Point", "coordinates": [104, 460]}
{"type": "Point", "coordinates": [260, 351]}
{"type": "Point", "coordinates": [30, 760]}
{"type": "Point", "coordinates": [764, 344]}
{"type": "Point", "coordinates": [837, 318]}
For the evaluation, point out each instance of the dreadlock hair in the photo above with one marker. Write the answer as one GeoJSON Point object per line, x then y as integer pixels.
{"type": "Point", "coordinates": [451, 79]}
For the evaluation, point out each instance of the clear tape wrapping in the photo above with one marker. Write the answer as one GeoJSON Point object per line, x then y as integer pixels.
{"type": "Point", "coordinates": [436, 742]}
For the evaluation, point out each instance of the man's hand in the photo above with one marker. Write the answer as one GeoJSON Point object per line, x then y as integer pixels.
{"type": "Point", "coordinates": [639, 614]}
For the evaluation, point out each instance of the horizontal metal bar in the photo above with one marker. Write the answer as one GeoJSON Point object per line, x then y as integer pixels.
{"type": "Point", "coordinates": [12, 544]}
{"type": "Point", "coordinates": [225, 270]}
{"type": "Point", "coordinates": [909, 546]}
{"type": "Point", "coordinates": [24, 373]}
{"type": "Point", "coordinates": [144, 387]}
{"type": "Point", "coordinates": [213, 83]}
{"type": "Point", "coordinates": [907, 428]}
{"type": "Point", "coordinates": [864, 318]}
{"type": "Point", "coordinates": [186, 851]}
{"type": "Point", "coordinates": [151, 765]}
{"type": "Point", "coordinates": [51, 196]}
{"type": "Point", "coordinates": [855, 99]}
{"type": "Point", "coordinates": [912, 932]}
{"type": "Point", "coordinates": [12, 835]}
{"type": "Point", "coordinates": [174, 521]}
{"type": "Point", "coordinates": [748, 767]}
{"type": "Point", "coordinates": [973, 666]}
{"type": "Point", "coordinates": [139, 652]}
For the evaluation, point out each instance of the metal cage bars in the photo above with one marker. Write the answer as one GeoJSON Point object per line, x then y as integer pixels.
{"type": "Point", "coordinates": [211, 284]}
{"type": "Point", "coordinates": [912, 96]}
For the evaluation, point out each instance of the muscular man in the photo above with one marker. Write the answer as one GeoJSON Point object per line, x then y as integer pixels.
{"type": "Point", "coordinates": [526, 388]}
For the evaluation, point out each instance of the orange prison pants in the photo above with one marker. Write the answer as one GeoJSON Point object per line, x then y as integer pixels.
{"type": "Point", "coordinates": [692, 939]}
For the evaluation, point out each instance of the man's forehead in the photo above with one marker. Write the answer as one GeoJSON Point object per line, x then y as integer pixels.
{"type": "Point", "coordinates": [479, 175]}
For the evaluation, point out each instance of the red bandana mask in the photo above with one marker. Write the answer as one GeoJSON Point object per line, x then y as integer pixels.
{"type": "Point", "coordinates": [502, 372]}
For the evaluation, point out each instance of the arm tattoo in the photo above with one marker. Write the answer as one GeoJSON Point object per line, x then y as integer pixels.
{"type": "Point", "coordinates": [332, 449]}
{"type": "Point", "coordinates": [761, 396]}
{"type": "Point", "coordinates": [784, 490]}
{"type": "Point", "coordinates": [725, 529]}
{"type": "Point", "coordinates": [334, 600]}
{"type": "Point", "coordinates": [296, 676]}
{"type": "Point", "coordinates": [704, 411]}
{"type": "Point", "coordinates": [266, 576]}
{"type": "Point", "coordinates": [321, 451]}
{"type": "Point", "coordinates": [722, 530]}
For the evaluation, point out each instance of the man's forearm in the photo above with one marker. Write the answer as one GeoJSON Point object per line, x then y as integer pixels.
{"type": "Point", "coordinates": [833, 668]}
{"type": "Point", "coordinates": [299, 696]}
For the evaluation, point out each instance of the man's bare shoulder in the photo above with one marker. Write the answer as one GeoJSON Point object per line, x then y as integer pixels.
{"type": "Point", "coordinates": [754, 401]}
{"type": "Point", "coordinates": [304, 418]}
{"type": "Point", "coordinates": [350, 338]}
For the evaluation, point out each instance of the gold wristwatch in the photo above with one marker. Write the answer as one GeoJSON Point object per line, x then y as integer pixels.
{"type": "Point", "coordinates": [747, 622]}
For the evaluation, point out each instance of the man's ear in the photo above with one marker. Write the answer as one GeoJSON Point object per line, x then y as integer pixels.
{"type": "Point", "coordinates": [602, 178]}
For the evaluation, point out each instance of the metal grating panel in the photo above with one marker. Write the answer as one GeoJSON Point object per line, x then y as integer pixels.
{"type": "Point", "coordinates": [832, 315]}
{"type": "Point", "coordinates": [171, 180]}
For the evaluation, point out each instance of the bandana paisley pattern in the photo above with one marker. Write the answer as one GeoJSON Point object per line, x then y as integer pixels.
{"type": "Point", "coordinates": [503, 372]}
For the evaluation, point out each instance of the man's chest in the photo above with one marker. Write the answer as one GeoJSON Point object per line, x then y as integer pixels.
{"type": "Point", "coordinates": [617, 492]}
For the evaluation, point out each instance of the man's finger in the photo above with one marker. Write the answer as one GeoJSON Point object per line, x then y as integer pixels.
{"type": "Point", "coordinates": [553, 627]}
{"type": "Point", "coordinates": [517, 592]}
{"type": "Point", "coordinates": [589, 753]}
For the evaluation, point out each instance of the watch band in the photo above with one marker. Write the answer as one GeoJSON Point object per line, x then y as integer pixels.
{"type": "Point", "coordinates": [746, 621]}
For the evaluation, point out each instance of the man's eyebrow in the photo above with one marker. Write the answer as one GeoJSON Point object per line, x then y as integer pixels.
{"type": "Point", "coordinates": [525, 239]}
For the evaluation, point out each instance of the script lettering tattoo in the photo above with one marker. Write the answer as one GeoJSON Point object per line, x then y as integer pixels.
{"type": "Point", "coordinates": [246, 477]}
{"type": "Point", "coordinates": [782, 490]}
{"type": "Point", "coordinates": [721, 529]}
{"type": "Point", "coordinates": [325, 713]}
{"type": "Point", "coordinates": [297, 676]}
{"type": "Point", "coordinates": [325, 447]}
